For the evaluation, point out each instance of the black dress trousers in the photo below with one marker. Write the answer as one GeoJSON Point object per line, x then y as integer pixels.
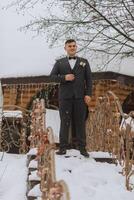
{"type": "Point", "coordinates": [75, 109]}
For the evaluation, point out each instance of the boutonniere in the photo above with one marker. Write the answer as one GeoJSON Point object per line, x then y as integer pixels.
{"type": "Point", "coordinates": [82, 64]}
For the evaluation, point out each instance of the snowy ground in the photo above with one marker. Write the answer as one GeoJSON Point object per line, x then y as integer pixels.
{"type": "Point", "coordinates": [91, 180]}
{"type": "Point", "coordinates": [53, 120]}
{"type": "Point", "coordinates": [13, 175]}
{"type": "Point", "coordinates": [86, 178]}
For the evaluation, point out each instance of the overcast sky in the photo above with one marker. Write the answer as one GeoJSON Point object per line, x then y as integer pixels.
{"type": "Point", "coordinates": [21, 54]}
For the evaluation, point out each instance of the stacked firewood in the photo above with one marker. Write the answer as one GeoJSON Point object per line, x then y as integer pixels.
{"type": "Point", "coordinates": [41, 161]}
{"type": "Point", "coordinates": [108, 131]}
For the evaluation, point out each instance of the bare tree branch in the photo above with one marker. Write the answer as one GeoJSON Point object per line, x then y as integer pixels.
{"type": "Point", "coordinates": [103, 26]}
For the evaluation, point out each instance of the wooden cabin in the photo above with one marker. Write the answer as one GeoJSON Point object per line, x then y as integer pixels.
{"type": "Point", "coordinates": [21, 91]}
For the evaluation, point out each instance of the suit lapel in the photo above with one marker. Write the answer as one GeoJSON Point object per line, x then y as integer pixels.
{"type": "Point", "coordinates": [67, 64]}
{"type": "Point", "coordinates": [76, 64]}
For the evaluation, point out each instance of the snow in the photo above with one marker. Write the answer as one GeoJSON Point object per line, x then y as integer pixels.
{"type": "Point", "coordinates": [53, 120]}
{"type": "Point", "coordinates": [33, 164]}
{"type": "Point", "coordinates": [32, 151]}
{"type": "Point", "coordinates": [100, 154]}
{"type": "Point", "coordinates": [34, 176]}
{"type": "Point", "coordinates": [129, 121]}
{"type": "Point", "coordinates": [13, 176]}
{"type": "Point", "coordinates": [86, 178]}
{"type": "Point", "coordinates": [91, 180]}
{"type": "Point", "coordinates": [35, 191]}
{"type": "Point", "coordinates": [12, 113]}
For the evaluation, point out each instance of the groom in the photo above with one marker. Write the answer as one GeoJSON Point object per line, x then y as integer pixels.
{"type": "Point", "coordinates": [74, 75]}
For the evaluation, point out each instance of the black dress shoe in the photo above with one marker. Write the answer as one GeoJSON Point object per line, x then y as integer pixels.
{"type": "Point", "coordinates": [84, 153]}
{"type": "Point", "coordinates": [61, 152]}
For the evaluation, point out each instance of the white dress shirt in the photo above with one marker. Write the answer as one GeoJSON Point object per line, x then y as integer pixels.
{"type": "Point", "coordinates": [72, 62]}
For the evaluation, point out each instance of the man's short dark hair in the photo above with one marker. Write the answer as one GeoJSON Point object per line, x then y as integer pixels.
{"type": "Point", "coordinates": [70, 41]}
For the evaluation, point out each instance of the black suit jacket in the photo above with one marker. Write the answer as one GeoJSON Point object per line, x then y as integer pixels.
{"type": "Point", "coordinates": [80, 86]}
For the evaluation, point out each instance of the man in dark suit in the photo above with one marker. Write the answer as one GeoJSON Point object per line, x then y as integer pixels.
{"type": "Point", "coordinates": [74, 75]}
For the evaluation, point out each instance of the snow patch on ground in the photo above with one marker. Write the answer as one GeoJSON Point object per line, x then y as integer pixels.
{"type": "Point", "coordinates": [13, 177]}
{"type": "Point", "coordinates": [33, 164]}
{"type": "Point", "coordinates": [91, 180]}
{"type": "Point", "coordinates": [35, 191]}
{"type": "Point", "coordinates": [32, 151]}
{"type": "Point", "coordinates": [34, 176]}
{"type": "Point", "coordinates": [53, 120]}
{"type": "Point", "coordinates": [129, 121]}
{"type": "Point", "coordinates": [86, 178]}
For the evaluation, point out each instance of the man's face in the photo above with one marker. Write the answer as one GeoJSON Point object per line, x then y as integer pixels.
{"type": "Point", "coordinates": [71, 48]}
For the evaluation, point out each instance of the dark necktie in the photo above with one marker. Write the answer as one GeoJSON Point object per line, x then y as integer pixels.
{"type": "Point", "coordinates": [73, 57]}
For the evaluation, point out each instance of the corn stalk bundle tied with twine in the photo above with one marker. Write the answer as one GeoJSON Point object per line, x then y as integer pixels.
{"type": "Point", "coordinates": [42, 139]}
{"type": "Point", "coordinates": [108, 130]}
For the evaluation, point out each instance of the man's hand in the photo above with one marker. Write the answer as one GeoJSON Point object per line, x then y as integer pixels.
{"type": "Point", "coordinates": [69, 77]}
{"type": "Point", "coordinates": [87, 99]}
